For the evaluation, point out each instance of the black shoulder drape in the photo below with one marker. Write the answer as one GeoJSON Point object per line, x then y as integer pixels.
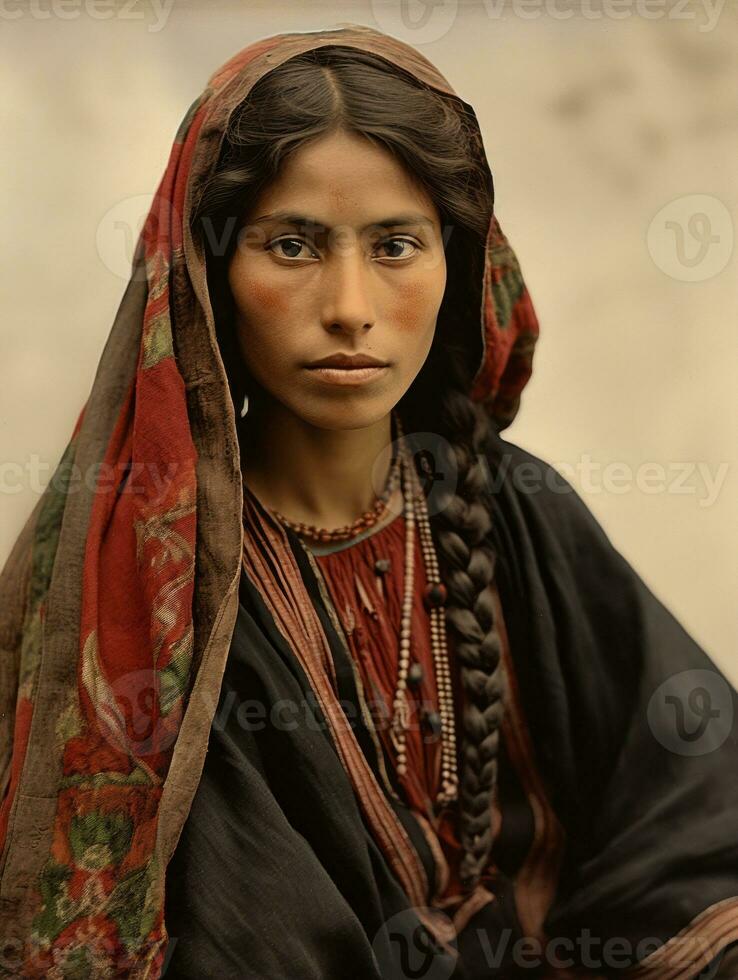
{"type": "Point", "coordinates": [276, 876]}
{"type": "Point", "coordinates": [633, 723]}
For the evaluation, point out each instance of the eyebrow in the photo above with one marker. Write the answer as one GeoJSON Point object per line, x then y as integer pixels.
{"type": "Point", "coordinates": [303, 221]}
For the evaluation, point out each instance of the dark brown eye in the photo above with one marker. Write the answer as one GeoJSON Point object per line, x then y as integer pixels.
{"type": "Point", "coordinates": [289, 243]}
{"type": "Point", "coordinates": [397, 243]}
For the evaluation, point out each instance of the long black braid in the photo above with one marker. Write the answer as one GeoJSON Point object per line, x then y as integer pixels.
{"type": "Point", "coordinates": [460, 527]}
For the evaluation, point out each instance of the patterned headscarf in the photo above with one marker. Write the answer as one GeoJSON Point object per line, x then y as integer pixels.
{"type": "Point", "coordinates": [106, 630]}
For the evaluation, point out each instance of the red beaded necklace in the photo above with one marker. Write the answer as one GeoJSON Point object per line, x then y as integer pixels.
{"type": "Point", "coordinates": [368, 519]}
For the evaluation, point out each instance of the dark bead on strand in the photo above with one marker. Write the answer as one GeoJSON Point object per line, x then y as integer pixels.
{"type": "Point", "coordinates": [433, 720]}
{"type": "Point", "coordinates": [434, 595]}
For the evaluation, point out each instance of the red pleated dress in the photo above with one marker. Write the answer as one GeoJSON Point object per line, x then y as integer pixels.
{"type": "Point", "coordinates": [369, 605]}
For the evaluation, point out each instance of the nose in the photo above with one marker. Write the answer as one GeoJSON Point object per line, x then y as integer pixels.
{"type": "Point", "coordinates": [347, 299]}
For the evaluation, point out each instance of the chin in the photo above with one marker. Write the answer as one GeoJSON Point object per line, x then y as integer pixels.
{"type": "Point", "coordinates": [347, 413]}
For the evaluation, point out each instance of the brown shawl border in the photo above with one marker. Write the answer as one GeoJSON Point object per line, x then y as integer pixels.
{"type": "Point", "coordinates": [13, 605]}
{"type": "Point", "coordinates": [30, 826]}
{"type": "Point", "coordinates": [688, 952]}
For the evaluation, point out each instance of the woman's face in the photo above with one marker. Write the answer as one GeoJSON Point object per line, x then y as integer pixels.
{"type": "Point", "coordinates": [341, 254]}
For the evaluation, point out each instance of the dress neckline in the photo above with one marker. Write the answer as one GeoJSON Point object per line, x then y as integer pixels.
{"type": "Point", "coordinates": [319, 550]}
{"type": "Point", "coordinates": [332, 548]}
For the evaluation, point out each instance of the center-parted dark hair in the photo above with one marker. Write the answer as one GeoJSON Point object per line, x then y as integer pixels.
{"type": "Point", "coordinates": [334, 88]}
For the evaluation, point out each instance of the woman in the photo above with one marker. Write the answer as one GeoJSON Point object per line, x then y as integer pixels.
{"type": "Point", "coordinates": [362, 688]}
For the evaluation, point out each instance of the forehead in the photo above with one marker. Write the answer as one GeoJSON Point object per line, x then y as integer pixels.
{"type": "Point", "coordinates": [345, 176]}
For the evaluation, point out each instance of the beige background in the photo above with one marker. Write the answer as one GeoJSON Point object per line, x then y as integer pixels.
{"type": "Point", "coordinates": [592, 125]}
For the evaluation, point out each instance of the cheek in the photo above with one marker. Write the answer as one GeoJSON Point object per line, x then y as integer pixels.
{"type": "Point", "coordinates": [270, 300]}
{"type": "Point", "coordinates": [415, 307]}
{"type": "Point", "coordinates": [409, 307]}
{"type": "Point", "coordinates": [262, 311]}
{"type": "Point", "coordinates": [257, 300]}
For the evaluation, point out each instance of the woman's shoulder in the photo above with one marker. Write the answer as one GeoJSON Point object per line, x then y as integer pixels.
{"type": "Point", "coordinates": [531, 489]}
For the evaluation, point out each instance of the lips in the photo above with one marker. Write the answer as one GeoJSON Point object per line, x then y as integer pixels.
{"type": "Point", "coordinates": [347, 377]}
{"type": "Point", "coordinates": [347, 361]}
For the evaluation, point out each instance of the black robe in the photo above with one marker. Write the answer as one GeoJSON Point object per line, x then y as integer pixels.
{"type": "Point", "coordinates": [276, 876]}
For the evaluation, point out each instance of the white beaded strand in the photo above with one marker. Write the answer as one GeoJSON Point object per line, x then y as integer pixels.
{"type": "Point", "coordinates": [449, 776]}
{"type": "Point", "coordinates": [413, 495]}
